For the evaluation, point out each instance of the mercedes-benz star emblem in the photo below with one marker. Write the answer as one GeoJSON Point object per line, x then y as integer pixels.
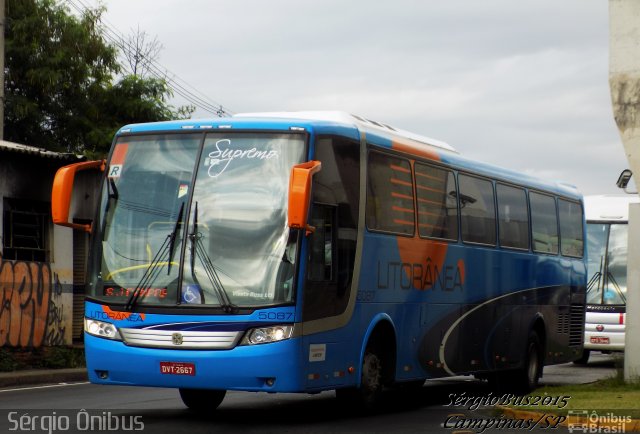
{"type": "Point", "coordinates": [176, 338]}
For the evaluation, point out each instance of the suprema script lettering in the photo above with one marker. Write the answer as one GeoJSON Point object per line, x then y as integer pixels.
{"type": "Point", "coordinates": [220, 159]}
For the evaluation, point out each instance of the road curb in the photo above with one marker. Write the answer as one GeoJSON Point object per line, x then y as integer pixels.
{"type": "Point", "coordinates": [632, 425]}
{"type": "Point", "coordinates": [42, 376]}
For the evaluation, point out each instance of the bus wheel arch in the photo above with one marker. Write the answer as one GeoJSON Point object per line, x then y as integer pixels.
{"type": "Point", "coordinates": [381, 339]}
{"type": "Point", "coordinates": [376, 368]}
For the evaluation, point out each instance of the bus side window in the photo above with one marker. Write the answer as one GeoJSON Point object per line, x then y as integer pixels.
{"type": "Point", "coordinates": [477, 210]}
{"type": "Point", "coordinates": [437, 202]}
{"type": "Point", "coordinates": [513, 217]}
{"type": "Point", "coordinates": [544, 224]}
{"type": "Point", "coordinates": [390, 206]}
{"type": "Point", "coordinates": [321, 244]}
{"type": "Point", "coordinates": [571, 239]}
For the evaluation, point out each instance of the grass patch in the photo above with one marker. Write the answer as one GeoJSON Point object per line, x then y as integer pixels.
{"type": "Point", "coordinates": [607, 396]}
{"type": "Point", "coordinates": [15, 359]}
{"type": "Point", "coordinates": [7, 361]}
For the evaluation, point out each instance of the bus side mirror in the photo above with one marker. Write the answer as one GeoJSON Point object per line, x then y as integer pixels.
{"type": "Point", "coordinates": [300, 194]}
{"type": "Point", "coordinates": [63, 188]}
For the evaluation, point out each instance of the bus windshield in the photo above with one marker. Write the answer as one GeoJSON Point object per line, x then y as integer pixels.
{"type": "Point", "coordinates": [197, 220]}
{"type": "Point", "coordinates": [607, 263]}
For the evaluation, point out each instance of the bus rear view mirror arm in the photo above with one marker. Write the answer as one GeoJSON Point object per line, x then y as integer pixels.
{"type": "Point", "coordinates": [62, 191]}
{"type": "Point", "coordinates": [300, 194]}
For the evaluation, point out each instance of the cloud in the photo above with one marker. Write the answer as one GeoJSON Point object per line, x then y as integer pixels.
{"type": "Point", "coordinates": [523, 85]}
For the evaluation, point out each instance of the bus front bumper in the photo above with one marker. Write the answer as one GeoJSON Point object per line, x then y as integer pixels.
{"type": "Point", "coordinates": [272, 367]}
{"type": "Point", "coordinates": [599, 341]}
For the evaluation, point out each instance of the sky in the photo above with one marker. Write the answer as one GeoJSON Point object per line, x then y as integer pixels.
{"type": "Point", "coordinates": [518, 84]}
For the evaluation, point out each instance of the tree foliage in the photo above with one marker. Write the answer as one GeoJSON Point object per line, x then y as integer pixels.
{"type": "Point", "coordinates": [62, 87]}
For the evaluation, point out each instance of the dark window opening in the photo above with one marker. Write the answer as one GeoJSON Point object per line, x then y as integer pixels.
{"type": "Point", "coordinates": [321, 244]}
{"type": "Point", "coordinates": [332, 247]}
{"type": "Point", "coordinates": [25, 234]}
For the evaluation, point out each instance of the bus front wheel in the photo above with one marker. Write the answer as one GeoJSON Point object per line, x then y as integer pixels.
{"type": "Point", "coordinates": [368, 395]}
{"type": "Point", "coordinates": [202, 400]}
{"type": "Point", "coordinates": [584, 358]}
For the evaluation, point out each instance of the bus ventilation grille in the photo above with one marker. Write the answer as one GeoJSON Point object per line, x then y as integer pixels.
{"type": "Point", "coordinates": [564, 324]}
{"type": "Point", "coordinates": [186, 340]}
{"type": "Point", "coordinates": [577, 325]}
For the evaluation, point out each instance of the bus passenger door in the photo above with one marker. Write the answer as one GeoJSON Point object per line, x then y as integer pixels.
{"type": "Point", "coordinates": [321, 285]}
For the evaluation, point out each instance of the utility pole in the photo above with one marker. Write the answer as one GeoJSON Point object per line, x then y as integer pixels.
{"type": "Point", "coordinates": [624, 81]}
{"type": "Point", "coordinates": [2, 29]}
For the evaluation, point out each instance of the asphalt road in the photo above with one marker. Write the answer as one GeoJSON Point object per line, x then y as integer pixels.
{"type": "Point", "coordinates": [83, 407]}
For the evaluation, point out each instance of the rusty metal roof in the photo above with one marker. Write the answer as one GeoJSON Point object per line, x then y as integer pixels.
{"type": "Point", "coordinates": [39, 152]}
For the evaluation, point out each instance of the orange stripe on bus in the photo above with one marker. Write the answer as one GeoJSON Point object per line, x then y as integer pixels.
{"type": "Point", "coordinates": [434, 178]}
{"type": "Point", "coordinates": [401, 196]}
{"type": "Point", "coordinates": [397, 181]}
{"type": "Point", "coordinates": [397, 208]}
{"type": "Point", "coordinates": [430, 189]}
{"type": "Point", "coordinates": [429, 213]}
{"type": "Point", "coordinates": [399, 168]}
{"type": "Point", "coordinates": [415, 148]}
{"type": "Point", "coordinates": [429, 201]}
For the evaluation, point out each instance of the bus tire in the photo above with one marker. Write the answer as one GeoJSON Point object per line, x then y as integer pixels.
{"type": "Point", "coordinates": [584, 358]}
{"type": "Point", "coordinates": [202, 400]}
{"type": "Point", "coordinates": [368, 395]}
{"type": "Point", "coordinates": [526, 378]}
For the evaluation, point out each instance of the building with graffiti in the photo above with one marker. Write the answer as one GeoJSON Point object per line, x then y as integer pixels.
{"type": "Point", "coordinates": [42, 265]}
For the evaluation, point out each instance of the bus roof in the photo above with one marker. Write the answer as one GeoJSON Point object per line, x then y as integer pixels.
{"type": "Point", "coordinates": [363, 124]}
{"type": "Point", "coordinates": [349, 124]}
{"type": "Point", "coordinates": [282, 119]}
{"type": "Point", "coordinates": [609, 207]}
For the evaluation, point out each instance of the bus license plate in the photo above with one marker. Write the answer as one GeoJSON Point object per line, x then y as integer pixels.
{"type": "Point", "coordinates": [599, 340]}
{"type": "Point", "coordinates": [177, 368]}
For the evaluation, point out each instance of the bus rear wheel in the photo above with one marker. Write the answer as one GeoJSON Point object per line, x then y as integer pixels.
{"type": "Point", "coordinates": [526, 378]}
{"type": "Point", "coordinates": [202, 400]}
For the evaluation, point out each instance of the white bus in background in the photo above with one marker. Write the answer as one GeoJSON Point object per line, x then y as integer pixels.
{"type": "Point", "coordinates": [607, 228]}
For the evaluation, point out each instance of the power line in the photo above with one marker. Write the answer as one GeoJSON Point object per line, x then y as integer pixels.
{"type": "Point", "coordinates": [175, 83]}
{"type": "Point", "coordinates": [157, 71]}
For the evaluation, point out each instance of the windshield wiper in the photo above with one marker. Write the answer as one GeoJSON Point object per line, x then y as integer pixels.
{"type": "Point", "coordinates": [197, 249]}
{"type": "Point", "coordinates": [174, 234]}
{"type": "Point", "coordinates": [152, 271]}
{"type": "Point", "coordinates": [113, 192]}
{"type": "Point", "coordinates": [193, 237]}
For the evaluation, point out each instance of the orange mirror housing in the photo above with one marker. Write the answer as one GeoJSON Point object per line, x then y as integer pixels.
{"type": "Point", "coordinates": [62, 190]}
{"type": "Point", "coordinates": [300, 194]}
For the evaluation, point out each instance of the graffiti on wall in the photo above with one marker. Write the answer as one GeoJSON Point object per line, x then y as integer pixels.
{"type": "Point", "coordinates": [56, 324]}
{"type": "Point", "coordinates": [31, 310]}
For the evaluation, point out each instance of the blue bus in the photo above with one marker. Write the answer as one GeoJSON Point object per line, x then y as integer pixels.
{"type": "Point", "coordinates": [312, 251]}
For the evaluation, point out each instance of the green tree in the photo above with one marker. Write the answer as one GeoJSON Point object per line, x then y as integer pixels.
{"type": "Point", "coordinates": [61, 86]}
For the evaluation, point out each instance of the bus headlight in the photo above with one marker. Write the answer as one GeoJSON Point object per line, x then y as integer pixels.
{"type": "Point", "coordinates": [101, 329]}
{"type": "Point", "coordinates": [264, 335]}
